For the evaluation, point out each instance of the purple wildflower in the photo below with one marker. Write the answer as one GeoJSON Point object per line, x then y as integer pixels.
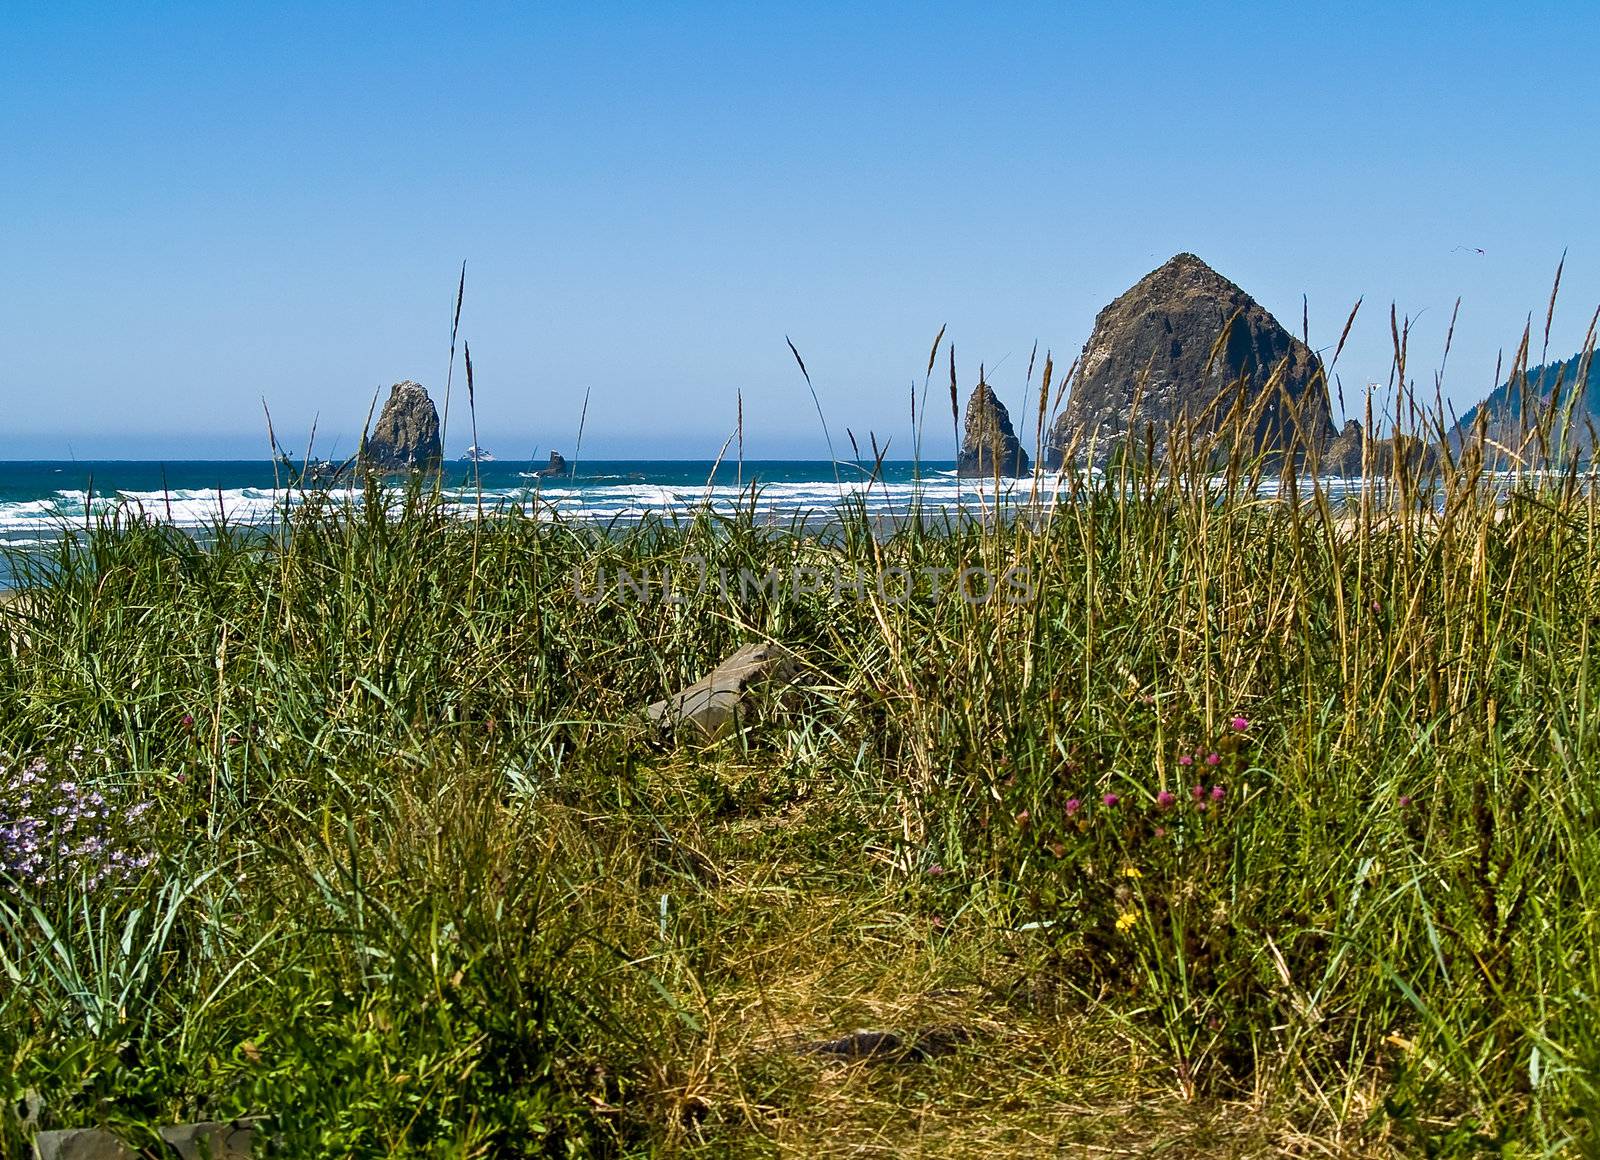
{"type": "Point", "coordinates": [62, 831]}
{"type": "Point", "coordinates": [1164, 799]}
{"type": "Point", "coordinates": [1073, 806]}
{"type": "Point", "coordinates": [1111, 799]}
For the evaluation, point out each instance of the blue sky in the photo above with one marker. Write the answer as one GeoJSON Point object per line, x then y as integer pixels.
{"type": "Point", "coordinates": [205, 205]}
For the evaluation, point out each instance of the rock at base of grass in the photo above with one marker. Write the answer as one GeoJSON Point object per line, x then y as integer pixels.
{"type": "Point", "coordinates": [891, 1046]}
{"type": "Point", "coordinates": [204, 1141]}
{"type": "Point", "coordinates": [720, 700]}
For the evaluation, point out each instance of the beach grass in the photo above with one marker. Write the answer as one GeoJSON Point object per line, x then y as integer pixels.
{"type": "Point", "coordinates": [1251, 827]}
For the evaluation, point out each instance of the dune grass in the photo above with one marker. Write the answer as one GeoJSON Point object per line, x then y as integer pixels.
{"type": "Point", "coordinates": [1257, 827]}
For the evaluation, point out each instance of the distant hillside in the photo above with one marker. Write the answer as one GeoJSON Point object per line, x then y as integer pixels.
{"type": "Point", "coordinates": [1513, 407]}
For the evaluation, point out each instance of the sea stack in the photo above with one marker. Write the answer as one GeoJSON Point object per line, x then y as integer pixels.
{"type": "Point", "coordinates": [989, 446]}
{"type": "Point", "coordinates": [406, 435]}
{"type": "Point", "coordinates": [1355, 452]}
{"type": "Point", "coordinates": [557, 468]}
{"type": "Point", "coordinates": [1156, 342]}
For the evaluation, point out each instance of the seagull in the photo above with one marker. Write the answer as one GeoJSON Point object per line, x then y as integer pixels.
{"type": "Point", "coordinates": [1469, 249]}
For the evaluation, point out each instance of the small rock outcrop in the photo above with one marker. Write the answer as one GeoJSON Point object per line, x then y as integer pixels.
{"type": "Point", "coordinates": [325, 473]}
{"type": "Point", "coordinates": [891, 1046]}
{"type": "Point", "coordinates": [406, 435]}
{"type": "Point", "coordinates": [557, 468]}
{"type": "Point", "coordinates": [989, 446]}
{"type": "Point", "coordinates": [1344, 454]}
{"type": "Point", "coordinates": [722, 698]}
{"type": "Point", "coordinates": [1352, 453]}
{"type": "Point", "coordinates": [1156, 341]}
{"type": "Point", "coordinates": [236, 1140]}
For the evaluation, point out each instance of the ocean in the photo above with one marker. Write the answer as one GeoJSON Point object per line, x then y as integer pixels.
{"type": "Point", "coordinates": [40, 500]}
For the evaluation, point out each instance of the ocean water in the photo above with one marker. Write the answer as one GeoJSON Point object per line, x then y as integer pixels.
{"type": "Point", "coordinates": [39, 501]}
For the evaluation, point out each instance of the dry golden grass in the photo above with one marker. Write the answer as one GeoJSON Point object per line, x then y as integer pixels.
{"type": "Point", "coordinates": [807, 954]}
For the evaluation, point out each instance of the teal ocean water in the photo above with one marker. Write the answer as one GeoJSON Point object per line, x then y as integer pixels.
{"type": "Point", "coordinates": [39, 501]}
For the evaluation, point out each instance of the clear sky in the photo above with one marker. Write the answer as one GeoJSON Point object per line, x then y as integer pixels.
{"type": "Point", "coordinates": [202, 205]}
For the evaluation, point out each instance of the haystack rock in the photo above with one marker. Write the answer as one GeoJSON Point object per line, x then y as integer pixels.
{"type": "Point", "coordinates": [1156, 341]}
{"type": "Point", "coordinates": [989, 446]}
{"type": "Point", "coordinates": [406, 435]}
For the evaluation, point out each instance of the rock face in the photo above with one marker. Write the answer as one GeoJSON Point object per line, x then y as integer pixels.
{"type": "Point", "coordinates": [989, 446]}
{"type": "Point", "coordinates": [406, 435]}
{"type": "Point", "coordinates": [1345, 453]}
{"type": "Point", "coordinates": [722, 698]}
{"type": "Point", "coordinates": [1353, 452]}
{"type": "Point", "coordinates": [237, 1140]}
{"type": "Point", "coordinates": [1157, 340]}
{"type": "Point", "coordinates": [891, 1046]}
{"type": "Point", "coordinates": [557, 468]}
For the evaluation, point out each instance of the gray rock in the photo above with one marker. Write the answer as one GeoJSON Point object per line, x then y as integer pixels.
{"type": "Point", "coordinates": [213, 1141]}
{"type": "Point", "coordinates": [204, 1141]}
{"type": "Point", "coordinates": [324, 473]}
{"type": "Point", "coordinates": [989, 446]}
{"type": "Point", "coordinates": [557, 468]}
{"type": "Point", "coordinates": [406, 435]}
{"type": "Point", "coordinates": [1157, 341]}
{"type": "Point", "coordinates": [1343, 455]}
{"type": "Point", "coordinates": [722, 698]}
{"type": "Point", "coordinates": [81, 1144]}
{"type": "Point", "coordinates": [1353, 452]}
{"type": "Point", "coordinates": [891, 1046]}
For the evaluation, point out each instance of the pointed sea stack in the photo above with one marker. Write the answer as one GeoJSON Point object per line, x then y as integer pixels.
{"type": "Point", "coordinates": [406, 435]}
{"type": "Point", "coordinates": [557, 468]}
{"type": "Point", "coordinates": [1355, 453]}
{"type": "Point", "coordinates": [1156, 341]}
{"type": "Point", "coordinates": [989, 446]}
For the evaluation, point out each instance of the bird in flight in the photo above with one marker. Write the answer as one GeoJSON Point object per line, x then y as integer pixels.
{"type": "Point", "coordinates": [1469, 249]}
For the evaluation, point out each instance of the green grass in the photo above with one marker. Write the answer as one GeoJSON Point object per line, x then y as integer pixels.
{"type": "Point", "coordinates": [426, 883]}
